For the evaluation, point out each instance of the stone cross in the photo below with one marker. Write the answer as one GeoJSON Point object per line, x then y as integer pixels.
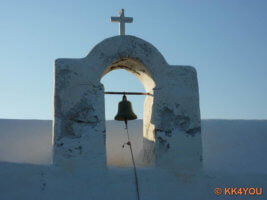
{"type": "Point", "coordinates": [122, 20]}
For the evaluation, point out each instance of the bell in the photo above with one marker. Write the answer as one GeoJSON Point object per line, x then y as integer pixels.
{"type": "Point", "coordinates": [125, 111]}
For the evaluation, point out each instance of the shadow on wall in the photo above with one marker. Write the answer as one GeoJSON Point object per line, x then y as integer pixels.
{"type": "Point", "coordinates": [117, 136]}
{"type": "Point", "coordinates": [237, 146]}
{"type": "Point", "coordinates": [26, 141]}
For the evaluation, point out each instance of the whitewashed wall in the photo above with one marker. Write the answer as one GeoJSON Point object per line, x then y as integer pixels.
{"type": "Point", "coordinates": [236, 146]}
{"type": "Point", "coordinates": [171, 130]}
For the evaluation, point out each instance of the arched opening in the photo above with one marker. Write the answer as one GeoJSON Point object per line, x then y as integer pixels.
{"type": "Point", "coordinates": [117, 78]}
{"type": "Point", "coordinates": [121, 80]}
{"type": "Point", "coordinates": [171, 111]}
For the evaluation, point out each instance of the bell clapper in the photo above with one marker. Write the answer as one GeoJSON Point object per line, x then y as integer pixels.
{"type": "Point", "coordinates": [126, 123]}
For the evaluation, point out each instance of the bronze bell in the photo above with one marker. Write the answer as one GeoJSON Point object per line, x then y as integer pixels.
{"type": "Point", "coordinates": [125, 111]}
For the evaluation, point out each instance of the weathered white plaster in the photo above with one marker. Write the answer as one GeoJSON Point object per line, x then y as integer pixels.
{"type": "Point", "coordinates": [171, 113]}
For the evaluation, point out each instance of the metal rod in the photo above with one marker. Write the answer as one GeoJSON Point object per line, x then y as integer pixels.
{"type": "Point", "coordinates": [128, 93]}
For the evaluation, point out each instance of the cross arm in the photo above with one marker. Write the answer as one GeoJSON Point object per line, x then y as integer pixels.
{"type": "Point", "coordinates": [128, 19]}
{"type": "Point", "coordinates": [115, 19]}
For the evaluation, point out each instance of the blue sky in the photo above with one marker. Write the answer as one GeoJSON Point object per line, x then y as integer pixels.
{"type": "Point", "coordinates": [224, 40]}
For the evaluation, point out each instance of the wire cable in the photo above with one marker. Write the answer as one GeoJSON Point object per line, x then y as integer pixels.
{"type": "Point", "coordinates": [135, 172]}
